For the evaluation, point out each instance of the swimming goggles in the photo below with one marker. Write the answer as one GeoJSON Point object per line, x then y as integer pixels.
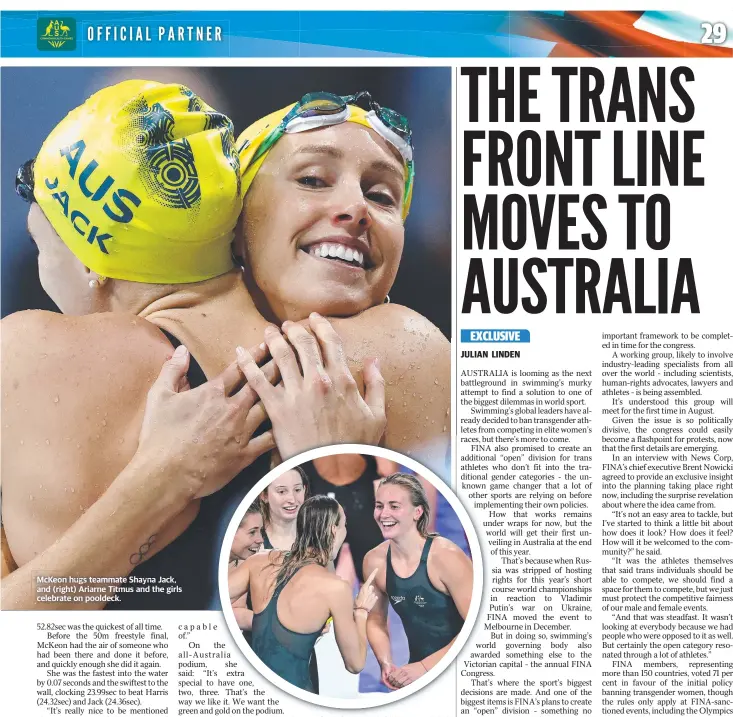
{"type": "Point", "coordinates": [25, 181]}
{"type": "Point", "coordinates": [323, 109]}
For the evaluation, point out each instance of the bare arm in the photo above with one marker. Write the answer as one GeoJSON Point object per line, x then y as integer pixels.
{"type": "Point", "coordinates": [186, 445]}
{"type": "Point", "coordinates": [414, 359]}
{"type": "Point", "coordinates": [239, 581]}
{"type": "Point", "coordinates": [454, 570]}
{"type": "Point", "coordinates": [108, 539]}
{"type": "Point", "coordinates": [377, 625]}
{"type": "Point", "coordinates": [243, 616]}
{"type": "Point", "coordinates": [8, 564]}
{"type": "Point", "coordinates": [378, 633]}
{"type": "Point", "coordinates": [349, 621]}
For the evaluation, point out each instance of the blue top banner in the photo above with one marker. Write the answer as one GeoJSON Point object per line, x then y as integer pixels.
{"type": "Point", "coordinates": [352, 34]}
{"type": "Point", "coordinates": [264, 34]}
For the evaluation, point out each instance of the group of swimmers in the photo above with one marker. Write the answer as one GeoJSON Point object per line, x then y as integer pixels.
{"type": "Point", "coordinates": [167, 243]}
{"type": "Point", "coordinates": [281, 559]}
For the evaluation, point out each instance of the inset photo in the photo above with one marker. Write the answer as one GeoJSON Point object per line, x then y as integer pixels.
{"type": "Point", "coordinates": [350, 576]}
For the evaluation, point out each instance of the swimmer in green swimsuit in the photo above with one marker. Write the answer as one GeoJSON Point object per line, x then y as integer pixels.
{"type": "Point", "coordinates": [294, 595]}
{"type": "Point", "coordinates": [427, 579]}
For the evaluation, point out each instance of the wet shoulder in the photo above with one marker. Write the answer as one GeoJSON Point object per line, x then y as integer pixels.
{"type": "Point", "coordinates": [325, 581]}
{"type": "Point", "coordinates": [392, 330]}
{"type": "Point", "coordinates": [444, 550]}
{"type": "Point", "coordinates": [447, 563]}
{"type": "Point", "coordinates": [124, 341]}
{"type": "Point", "coordinates": [414, 355]}
{"type": "Point", "coordinates": [265, 559]}
{"type": "Point", "coordinates": [415, 361]}
{"type": "Point", "coordinates": [311, 579]}
{"type": "Point", "coordinates": [75, 364]}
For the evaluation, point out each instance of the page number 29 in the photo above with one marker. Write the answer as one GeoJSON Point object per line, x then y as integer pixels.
{"type": "Point", "coordinates": [715, 33]}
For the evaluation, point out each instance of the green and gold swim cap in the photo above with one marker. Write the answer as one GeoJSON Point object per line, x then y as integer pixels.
{"type": "Point", "coordinates": [142, 183]}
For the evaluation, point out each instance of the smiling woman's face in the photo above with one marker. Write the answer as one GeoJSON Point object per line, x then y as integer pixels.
{"type": "Point", "coordinates": [248, 538]}
{"type": "Point", "coordinates": [394, 512]}
{"type": "Point", "coordinates": [322, 224]}
{"type": "Point", "coordinates": [285, 495]}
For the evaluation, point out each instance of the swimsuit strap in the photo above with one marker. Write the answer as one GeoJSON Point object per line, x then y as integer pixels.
{"type": "Point", "coordinates": [426, 549]}
{"type": "Point", "coordinates": [266, 541]}
{"type": "Point", "coordinates": [196, 375]}
{"type": "Point", "coordinates": [423, 555]}
{"type": "Point", "coordinates": [276, 592]}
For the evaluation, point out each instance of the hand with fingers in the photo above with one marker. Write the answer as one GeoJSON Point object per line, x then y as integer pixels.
{"type": "Point", "coordinates": [204, 434]}
{"type": "Point", "coordinates": [367, 596]}
{"type": "Point", "coordinates": [387, 668]}
{"type": "Point", "coordinates": [318, 402]}
{"type": "Point", "coordinates": [405, 675]}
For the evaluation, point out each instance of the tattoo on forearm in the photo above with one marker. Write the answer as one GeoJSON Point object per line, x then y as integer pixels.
{"type": "Point", "coordinates": [138, 557]}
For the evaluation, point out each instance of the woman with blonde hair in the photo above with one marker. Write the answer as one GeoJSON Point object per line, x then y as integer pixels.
{"type": "Point", "coordinates": [294, 594]}
{"type": "Point", "coordinates": [133, 198]}
{"type": "Point", "coordinates": [426, 578]}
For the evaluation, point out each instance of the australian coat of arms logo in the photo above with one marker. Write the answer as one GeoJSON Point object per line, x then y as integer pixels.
{"type": "Point", "coordinates": [56, 33]}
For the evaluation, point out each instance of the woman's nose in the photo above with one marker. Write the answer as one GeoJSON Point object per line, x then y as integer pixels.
{"type": "Point", "coordinates": [351, 211]}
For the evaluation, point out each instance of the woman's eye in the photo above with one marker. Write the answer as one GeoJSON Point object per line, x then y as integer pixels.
{"type": "Point", "coordinates": [312, 182]}
{"type": "Point", "coordinates": [383, 198]}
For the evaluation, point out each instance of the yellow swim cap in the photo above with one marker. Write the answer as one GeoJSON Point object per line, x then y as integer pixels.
{"type": "Point", "coordinates": [251, 140]}
{"type": "Point", "coordinates": [142, 183]}
{"type": "Point", "coordinates": [256, 142]}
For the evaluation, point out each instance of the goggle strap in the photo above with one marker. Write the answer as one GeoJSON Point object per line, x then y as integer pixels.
{"type": "Point", "coordinates": [251, 172]}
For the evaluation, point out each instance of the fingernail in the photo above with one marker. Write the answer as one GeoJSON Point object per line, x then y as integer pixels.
{"type": "Point", "coordinates": [315, 315]}
{"type": "Point", "coordinates": [270, 329]}
{"type": "Point", "coordinates": [286, 324]}
{"type": "Point", "coordinates": [377, 366]}
{"type": "Point", "coordinates": [180, 351]}
{"type": "Point", "coordinates": [263, 346]}
{"type": "Point", "coordinates": [240, 353]}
